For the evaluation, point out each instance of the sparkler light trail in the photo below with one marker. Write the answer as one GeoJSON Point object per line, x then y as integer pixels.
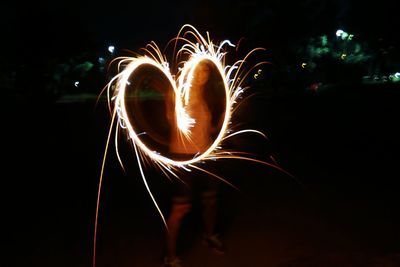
{"type": "Point", "coordinates": [194, 50]}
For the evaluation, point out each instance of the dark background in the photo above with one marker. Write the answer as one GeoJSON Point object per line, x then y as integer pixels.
{"type": "Point", "coordinates": [47, 28]}
{"type": "Point", "coordinates": [340, 143]}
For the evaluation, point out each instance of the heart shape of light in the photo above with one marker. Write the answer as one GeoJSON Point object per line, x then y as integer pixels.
{"type": "Point", "coordinates": [182, 91]}
{"type": "Point", "coordinates": [198, 52]}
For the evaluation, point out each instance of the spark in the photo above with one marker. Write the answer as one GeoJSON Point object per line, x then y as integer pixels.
{"type": "Point", "coordinates": [195, 49]}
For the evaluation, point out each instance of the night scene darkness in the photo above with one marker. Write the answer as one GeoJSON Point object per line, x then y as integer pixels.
{"type": "Point", "coordinates": [321, 188]}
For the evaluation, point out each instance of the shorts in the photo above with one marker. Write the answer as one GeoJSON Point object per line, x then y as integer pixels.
{"type": "Point", "coordinates": [192, 183]}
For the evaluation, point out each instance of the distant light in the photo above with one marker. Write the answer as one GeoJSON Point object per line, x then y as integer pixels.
{"type": "Point", "coordinates": [343, 56]}
{"type": "Point", "coordinates": [395, 77]}
{"type": "Point", "coordinates": [344, 35]}
{"type": "Point", "coordinates": [339, 33]}
{"type": "Point", "coordinates": [303, 65]}
{"type": "Point", "coordinates": [76, 83]}
{"type": "Point", "coordinates": [101, 60]}
{"type": "Point", "coordinates": [257, 75]}
{"type": "Point", "coordinates": [111, 49]}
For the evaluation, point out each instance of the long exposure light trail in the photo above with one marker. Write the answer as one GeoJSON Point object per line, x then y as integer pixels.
{"type": "Point", "coordinates": [195, 50]}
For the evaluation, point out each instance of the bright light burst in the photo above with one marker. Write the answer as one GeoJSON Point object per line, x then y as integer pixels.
{"type": "Point", "coordinates": [195, 49]}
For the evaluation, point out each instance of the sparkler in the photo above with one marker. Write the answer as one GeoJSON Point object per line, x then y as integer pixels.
{"type": "Point", "coordinates": [195, 50]}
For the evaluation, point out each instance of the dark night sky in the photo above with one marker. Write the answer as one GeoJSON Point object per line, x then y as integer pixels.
{"type": "Point", "coordinates": [311, 134]}
{"type": "Point", "coordinates": [59, 27]}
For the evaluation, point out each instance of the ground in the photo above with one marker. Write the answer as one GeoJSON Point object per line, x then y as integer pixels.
{"type": "Point", "coordinates": [340, 209]}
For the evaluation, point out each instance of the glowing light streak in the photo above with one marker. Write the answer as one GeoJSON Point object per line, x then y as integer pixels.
{"type": "Point", "coordinates": [197, 51]}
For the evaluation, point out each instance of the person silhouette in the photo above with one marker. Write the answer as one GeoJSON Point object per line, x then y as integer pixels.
{"type": "Point", "coordinates": [184, 147]}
